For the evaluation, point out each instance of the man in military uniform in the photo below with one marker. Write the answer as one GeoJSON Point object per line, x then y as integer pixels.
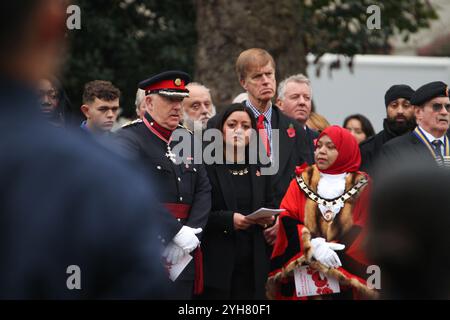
{"type": "Point", "coordinates": [184, 187]}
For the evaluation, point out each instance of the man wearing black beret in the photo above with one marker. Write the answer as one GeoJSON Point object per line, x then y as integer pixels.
{"type": "Point", "coordinates": [399, 120]}
{"type": "Point", "coordinates": [429, 141]}
{"type": "Point", "coordinates": [184, 187]}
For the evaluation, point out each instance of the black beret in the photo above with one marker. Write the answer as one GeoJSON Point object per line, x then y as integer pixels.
{"type": "Point", "coordinates": [168, 83]}
{"type": "Point", "coordinates": [398, 91]}
{"type": "Point", "coordinates": [428, 92]}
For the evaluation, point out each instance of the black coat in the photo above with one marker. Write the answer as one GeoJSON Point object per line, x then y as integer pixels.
{"type": "Point", "coordinates": [371, 148]}
{"type": "Point", "coordinates": [66, 201]}
{"type": "Point", "coordinates": [219, 245]}
{"type": "Point", "coordinates": [293, 151]}
{"type": "Point", "coordinates": [405, 148]}
{"type": "Point", "coordinates": [311, 135]}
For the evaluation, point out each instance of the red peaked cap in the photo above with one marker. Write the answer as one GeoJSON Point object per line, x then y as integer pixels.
{"type": "Point", "coordinates": [349, 156]}
{"type": "Point", "coordinates": [168, 81]}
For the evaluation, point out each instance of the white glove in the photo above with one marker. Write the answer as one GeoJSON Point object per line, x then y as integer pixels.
{"type": "Point", "coordinates": [186, 238]}
{"type": "Point", "coordinates": [173, 253]}
{"type": "Point", "coordinates": [324, 252]}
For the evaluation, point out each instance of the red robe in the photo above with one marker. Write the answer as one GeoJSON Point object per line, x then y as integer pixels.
{"type": "Point", "coordinates": [302, 221]}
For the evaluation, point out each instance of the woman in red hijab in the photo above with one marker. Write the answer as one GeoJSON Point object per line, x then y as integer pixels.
{"type": "Point", "coordinates": [318, 247]}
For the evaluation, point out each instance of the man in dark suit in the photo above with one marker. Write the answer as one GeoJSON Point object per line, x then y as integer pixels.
{"type": "Point", "coordinates": [76, 223]}
{"type": "Point", "coordinates": [183, 186]}
{"type": "Point", "coordinates": [399, 120]}
{"type": "Point", "coordinates": [294, 98]}
{"type": "Point", "coordinates": [255, 69]}
{"type": "Point", "coordinates": [428, 141]}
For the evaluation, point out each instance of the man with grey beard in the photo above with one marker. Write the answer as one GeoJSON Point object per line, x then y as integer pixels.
{"type": "Point", "coordinates": [198, 106]}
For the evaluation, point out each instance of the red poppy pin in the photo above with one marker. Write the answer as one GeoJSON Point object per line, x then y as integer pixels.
{"type": "Point", "coordinates": [291, 131]}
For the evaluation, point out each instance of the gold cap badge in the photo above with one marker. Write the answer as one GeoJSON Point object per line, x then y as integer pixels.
{"type": "Point", "coordinates": [177, 82]}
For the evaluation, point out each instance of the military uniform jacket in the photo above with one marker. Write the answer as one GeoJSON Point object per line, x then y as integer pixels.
{"type": "Point", "coordinates": [177, 184]}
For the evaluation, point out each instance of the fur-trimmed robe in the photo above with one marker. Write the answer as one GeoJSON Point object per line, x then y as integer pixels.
{"type": "Point", "coordinates": [303, 221]}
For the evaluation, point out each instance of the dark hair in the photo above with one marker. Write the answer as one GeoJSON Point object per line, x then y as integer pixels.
{"type": "Point", "coordinates": [226, 113]}
{"type": "Point", "coordinates": [228, 110]}
{"type": "Point", "coordinates": [366, 126]}
{"type": "Point", "coordinates": [103, 90]}
{"type": "Point", "coordinates": [63, 109]}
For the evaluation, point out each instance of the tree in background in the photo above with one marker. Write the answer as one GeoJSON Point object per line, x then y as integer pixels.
{"type": "Point", "coordinates": [125, 41]}
{"type": "Point", "coordinates": [289, 29]}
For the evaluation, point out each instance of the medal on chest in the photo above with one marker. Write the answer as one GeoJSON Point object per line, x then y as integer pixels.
{"type": "Point", "coordinates": [170, 155]}
{"type": "Point", "coordinates": [328, 215]}
{"type": "Point", "coordinates": [330, 208]}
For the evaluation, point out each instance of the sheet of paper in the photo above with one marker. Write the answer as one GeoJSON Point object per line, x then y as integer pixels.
{"type": "Point", "coordinates": [264, 213]}
{"type": "Point", "coordinates": [176, 269]}
{"type": "Point", "coordinates": [309, 282]}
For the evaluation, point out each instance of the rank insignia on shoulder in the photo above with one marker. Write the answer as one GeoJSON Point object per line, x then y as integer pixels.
{"type": "Point", "coordinates": [130, 123]}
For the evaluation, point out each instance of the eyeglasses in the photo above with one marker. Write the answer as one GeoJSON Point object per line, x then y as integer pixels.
{"type": "Point", "coordinates": [438, 106]}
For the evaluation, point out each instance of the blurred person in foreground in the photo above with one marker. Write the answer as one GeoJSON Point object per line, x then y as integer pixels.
{"type": "Point", "coordinates": [324, 222]}
{"type": "Point", "coordinates": [64, 201]}
{"type": "Point", "coordinates": [409, 230]}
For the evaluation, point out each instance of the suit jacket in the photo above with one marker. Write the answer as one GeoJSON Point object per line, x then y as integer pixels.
{"type": "Point", "coordinates": [294, 151]}
{"type": "Point", "coordinates": [311, 135]}
{"type": "Point", "coordinates": [405, 148]}
{"type": "Point", "coordinates": [219, 245]}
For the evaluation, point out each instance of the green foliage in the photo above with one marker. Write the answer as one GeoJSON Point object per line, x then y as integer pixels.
{"type": "Point", "coordinates": [125, 41]}
{"type": "Point", "coordinates": [340, 26]}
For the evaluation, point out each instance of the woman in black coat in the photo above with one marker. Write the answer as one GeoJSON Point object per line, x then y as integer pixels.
{"type": "Point", "coordinates": [235, 252]}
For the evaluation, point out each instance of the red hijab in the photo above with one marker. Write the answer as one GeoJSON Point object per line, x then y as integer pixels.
{"type": "Point", "coordinates": [349, 156]}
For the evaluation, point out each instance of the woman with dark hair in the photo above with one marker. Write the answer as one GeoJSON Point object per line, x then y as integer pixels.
{"type": "Point", "coordinates": [359, 126]}
{"type": "Point", "coordinates": [236, 255]}
{"type": "Point", "coordinates": [55, 104]}
{"type": "Point", "coordinates": [323, 226]}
